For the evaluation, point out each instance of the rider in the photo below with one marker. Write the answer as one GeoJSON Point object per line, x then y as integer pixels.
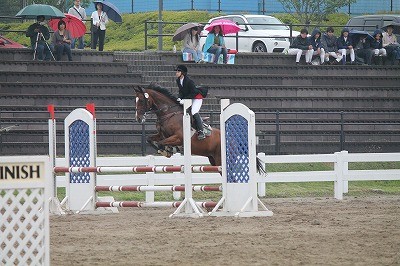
{"type": "Point", "coordinates": [188, 90]}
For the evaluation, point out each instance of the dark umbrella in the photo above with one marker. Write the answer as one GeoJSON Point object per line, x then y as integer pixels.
{"type": "Point", "coordinates": [356, 34]}
{"type": "Point", "coordinates": [32, 11]}
{"type": "Point", "coordinates": [395, 26]}
{"type": "Point", "coordinates": [111, 10]}
{"type": "Point", "coordinates": [180, 33]}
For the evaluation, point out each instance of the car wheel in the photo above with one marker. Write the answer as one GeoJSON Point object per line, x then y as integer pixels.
{"type": "Point", "coordinates": [259, 47]}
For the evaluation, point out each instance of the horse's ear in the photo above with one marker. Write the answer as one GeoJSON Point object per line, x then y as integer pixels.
{"type": "Point", "coordinates": [138, 89]}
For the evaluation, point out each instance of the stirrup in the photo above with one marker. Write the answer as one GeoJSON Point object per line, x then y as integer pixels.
{"type": "Point", "coordinates": [201, 135]}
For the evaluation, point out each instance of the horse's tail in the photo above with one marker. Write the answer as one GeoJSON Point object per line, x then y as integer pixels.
{"type": "Point", "coordinates": [260, 166]}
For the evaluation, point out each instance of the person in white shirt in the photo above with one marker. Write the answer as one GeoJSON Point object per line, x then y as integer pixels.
{"type": "Point", "coordinates": [80, 13]}
{"type": "Point", "coordinates": [99, 19]}
{"type": "Point", "coordinates": [389, 42]}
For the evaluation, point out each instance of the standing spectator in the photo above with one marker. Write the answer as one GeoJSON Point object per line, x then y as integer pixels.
{"type": "Point", "coordinates": [345, 46]}
{"type": "Point", "coordinates": [376, 45]}
{"type": "Point", "coordinates": [191, 44]}
{"type": "Point", "coordinates": [38, 34]}
{"type": "Point", "coordinates": [215, 44]}
{"type": "Point", "coordinates": [389, 42]}
{"type": "Point", "coordinates": [80, 13]}
{"type": "Point", "coordinates": [315, 41]}
{"type": "Point", "coordinates": [329, 42]}
{"type": "Point", "coordinates": [301, 46]}
{"type": "Point", "coordinates": [363, 49]}
{"type": "Point", "coordinates": [62, 41]}
{"type": "Point", "coordinates": [100, 19]}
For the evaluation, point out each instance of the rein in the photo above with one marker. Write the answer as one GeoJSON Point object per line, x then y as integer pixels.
{"type": "Point", "coordinates": [158, 111]}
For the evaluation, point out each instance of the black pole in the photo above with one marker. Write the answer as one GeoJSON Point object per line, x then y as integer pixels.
{"type": "Point", "coordinates": [192, 8]}
{"type": "Point", "coordinates": [342, 131]}
{"type": "Point", "coordinates": [277, 134]}
{"type": "Point", "coordinates": [391, 5]}
{"type": "Point", "coordinates": [349, 8]}
{"type": "Point", "coordinates": [143, 139]}
{"type": "Point", "coordinates": [263, 7]}
{"type": "Point", "coordinates": [145, 34]}
{"type": "Point", "coordinates": [160, 37]}
{"type": "Point", "coordinates": [132, 7]}
{"type": "Point", "coordinates": [219, 6]}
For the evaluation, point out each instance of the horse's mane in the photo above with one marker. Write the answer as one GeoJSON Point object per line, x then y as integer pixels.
{"type": "Point", "coordinates": [166, 92]}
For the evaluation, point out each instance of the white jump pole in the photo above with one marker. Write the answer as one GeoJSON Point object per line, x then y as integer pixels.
{"type": "Point", "coordinates": [191, 209]}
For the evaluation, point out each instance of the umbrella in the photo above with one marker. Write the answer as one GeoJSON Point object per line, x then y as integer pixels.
{"type": "Point", "coordinates": [396, 27]}
{"type": "Point", "coordinates": [226, 25]}
{"type": "Point", "coordinates": [32, 11]}
{"type": "Point", "coordinates": [180, 33]}
{"type": "Point", "coordinates": [73, 24]}
{"type": "Point", "coordinates": [356, 34]}
{"type": "Point", "coordinates": [111, 10]}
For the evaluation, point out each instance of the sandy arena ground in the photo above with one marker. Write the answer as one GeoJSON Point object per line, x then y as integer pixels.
{"type": "Point", "coordinates": [317, 231]}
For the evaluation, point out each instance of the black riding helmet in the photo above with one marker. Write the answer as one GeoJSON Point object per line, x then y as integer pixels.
{"type": "Point", "coordinates": [181, 68]}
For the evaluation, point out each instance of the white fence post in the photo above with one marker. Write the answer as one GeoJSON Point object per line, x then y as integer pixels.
{"type": "Point", "coordinates": [338, 183]}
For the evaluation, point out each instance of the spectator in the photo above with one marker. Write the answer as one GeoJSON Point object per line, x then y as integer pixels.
{"type": "Point", "coordinates": [301, 46]}
{"type": "Point", "coordinates": [215, 44]}
{"type": "Point", "coordinates": [345, 46]}
{"type": "Point", "coordinates": [315, 41]}
{"type": "Point", "coordinates": [80, 13]}
{"type": "Point", "coordinates": [100, 19]}
{"type": "Point", "coordinates": [62, 41]}
{"type": "Point", "coordinates": [188, 90]}
{"type": "Point", "coordinates": [376, 44]}
{"type": "Point", "coordinates": [329, 42]}
{"type": "Point", "coordinates": [191, 44]}
{"type": "Point", "coordinates": [389, 42]}
{"type": "Point", "coordinates": [39, 33]}
{"type": "Point", "coordinates": [363, 49]}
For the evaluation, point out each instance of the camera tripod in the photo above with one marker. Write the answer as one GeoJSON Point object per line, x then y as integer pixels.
{"type": "Point", "coordinates": [38, 37]}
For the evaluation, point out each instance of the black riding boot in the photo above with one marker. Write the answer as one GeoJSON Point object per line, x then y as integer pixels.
{"type": "Point", "coordinates": [199, 126]}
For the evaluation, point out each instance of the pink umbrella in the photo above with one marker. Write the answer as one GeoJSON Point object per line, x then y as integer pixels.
{"type": "Point", "coordinates": [73, 24]}
{"type": "Point", "coordinates": [227, 26]}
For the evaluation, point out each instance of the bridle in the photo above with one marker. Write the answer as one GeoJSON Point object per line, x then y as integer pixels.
{"type": "Point", "coordinates": [151, 110]}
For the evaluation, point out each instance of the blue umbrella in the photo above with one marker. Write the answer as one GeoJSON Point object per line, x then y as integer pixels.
{"type": "Point", "coordinates": [111, 10]}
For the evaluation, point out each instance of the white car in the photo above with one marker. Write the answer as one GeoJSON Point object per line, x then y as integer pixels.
{"type": "Point", "coordinates": [259, 33]}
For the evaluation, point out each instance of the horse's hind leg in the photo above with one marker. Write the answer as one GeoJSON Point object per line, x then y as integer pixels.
{"type": "Point", "coordinates": [212, 160]}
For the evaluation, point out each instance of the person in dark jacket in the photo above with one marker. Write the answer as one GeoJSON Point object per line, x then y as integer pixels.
{"type": "Point", "coordinates": [301, 46]}
{"type": "Point", "coordinates": [329, 42]}
{"type": "Point", "coordinates": [377, 46]}
{"type": "Point", "coordinates": [188, 90]}
{"type": "Point", "coordinates": [345, 46]}
{"type": "Point", "coordinates": [38, 34]}
{"type": "Point", "coordinates": [315, 41]}
{"type": "Point", "coordinates": [363, 48]}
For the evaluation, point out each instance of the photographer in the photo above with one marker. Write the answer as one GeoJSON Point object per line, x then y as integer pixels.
{"type": "Point", "coordinates": [39, 33]}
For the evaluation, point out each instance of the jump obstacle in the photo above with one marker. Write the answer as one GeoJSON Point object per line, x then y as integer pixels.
{"type": "Point", "coordinates": [239, 186]}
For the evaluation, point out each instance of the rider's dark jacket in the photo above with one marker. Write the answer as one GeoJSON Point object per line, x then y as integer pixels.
{"type": "Point", "coordinates": [188, 90]}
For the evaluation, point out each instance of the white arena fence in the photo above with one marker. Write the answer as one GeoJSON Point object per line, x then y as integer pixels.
{"type": "Point", "coordinates": [340, 174]}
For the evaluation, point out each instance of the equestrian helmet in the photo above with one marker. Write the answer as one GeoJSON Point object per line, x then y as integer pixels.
{"type": "Point", "coordinates": [181, 68]}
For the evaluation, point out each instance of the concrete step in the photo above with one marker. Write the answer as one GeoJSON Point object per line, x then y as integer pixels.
{"type": "Point", "coordinates": [64, 67]}
{"type": "Point", "coordinates": [76, 77]}
{"type": "Point", "coordinates": [87, 55]}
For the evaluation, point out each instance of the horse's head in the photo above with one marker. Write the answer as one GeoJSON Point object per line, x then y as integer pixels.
{"type": "Point", "coordinates": [144, 103]}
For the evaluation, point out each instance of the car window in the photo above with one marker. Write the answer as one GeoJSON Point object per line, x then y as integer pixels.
{"type": "Point", "coordinates": [372, 25]}
{"type": "Point", "coordinates": [276, 24]}
{"type": "Point", "coordinates": [356, 24]}
{"type": "Point", "coordinates": [238, 20]}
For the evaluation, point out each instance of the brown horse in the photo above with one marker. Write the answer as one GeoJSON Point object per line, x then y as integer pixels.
{"type": "Point", "coordinates": [169, 137]}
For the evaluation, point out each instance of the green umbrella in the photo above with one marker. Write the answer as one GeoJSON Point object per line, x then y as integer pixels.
{"type": "Point", "coordinates": [32, 11]}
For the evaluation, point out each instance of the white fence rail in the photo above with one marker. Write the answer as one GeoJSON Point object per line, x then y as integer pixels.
{"type": "Point", "coordinates": [340, 175]}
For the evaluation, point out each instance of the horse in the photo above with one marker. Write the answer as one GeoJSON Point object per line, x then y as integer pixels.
{"type": "Point", "coordinates": [169, 137]}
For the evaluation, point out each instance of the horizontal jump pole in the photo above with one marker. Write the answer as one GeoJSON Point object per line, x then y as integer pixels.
{"type": "Point", "coordinates": [139, 204]}
{"type": "Point", "coordinates": [156, 188]}
{"type": "Point", "coordinates": [136, 169]}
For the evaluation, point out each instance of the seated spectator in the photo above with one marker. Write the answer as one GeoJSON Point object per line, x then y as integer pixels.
{"type": "Point", "coordinates": [38, 34]}
{"type": "Point", "coordinates": [329, 42]}
{"type": "Point", "coordinates": [376, 44]}
{"type": "Point", "coordinates": [191, 44]}
{"type": "Point", "coordinates": [345, 46]}
{"type": "Point", "coordinates": [315, 41]}
{"type": "Point", "coordinates": [363, 49]}
{"type": "Point", "coordinates": [62, 41]}
{"type": "Point", "coordinates": [301, 46]}
{"type": "Point", "coordinates": [389, 42]}
{"type": "Point", "coordinates": [215, 44]}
